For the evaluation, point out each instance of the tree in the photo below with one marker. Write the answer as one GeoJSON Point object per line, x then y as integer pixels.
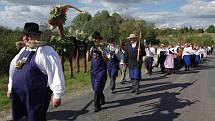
{"type": "Point", "coordinates": [210, 29]}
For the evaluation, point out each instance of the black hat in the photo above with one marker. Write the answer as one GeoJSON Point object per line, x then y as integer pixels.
{"type": "Point", "coordinates": [96, 35]}
{"type": "Point", "coordinates": [31, 28]}
{"type": "Point", "coordinates": [111, 40]}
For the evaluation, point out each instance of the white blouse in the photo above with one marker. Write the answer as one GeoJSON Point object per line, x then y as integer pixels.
{"type": "Point", "coordinates": [49, 63]}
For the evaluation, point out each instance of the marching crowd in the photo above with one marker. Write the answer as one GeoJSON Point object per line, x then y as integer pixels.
{"type": "Point", "coordinates": [36, 72]}
{"type": "Point", "coordinates": [113, 58]}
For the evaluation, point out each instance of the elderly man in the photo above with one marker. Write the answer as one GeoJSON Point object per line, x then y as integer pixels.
{"type": "Point", "coordinates": [135, 52]}
{"type": "Point", "coordinates": [35, 73]}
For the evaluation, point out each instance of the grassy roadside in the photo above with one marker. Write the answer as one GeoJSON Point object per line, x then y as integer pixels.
{"type": "Point", "coordinates": [4, 101]}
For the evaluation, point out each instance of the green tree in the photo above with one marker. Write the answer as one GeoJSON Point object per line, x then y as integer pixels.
{"type": "Point", "coordinates": [210, 29]}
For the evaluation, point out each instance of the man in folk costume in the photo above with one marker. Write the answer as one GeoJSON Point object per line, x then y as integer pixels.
{"type": "Point", "coordinates": [135, 52]}
{"type": "Point", "coordinates": [161, 52]}
{"type": "Point", "coordinates": [98, 71]}
{"type": "Point", "coordinates": [186, 56]}
{"type": "Point", "coordinates": [122, 63]}
{"type": "Point", "coordinates": [150, 52]}
{"type": "Point", "coordinates": [113, 63]}
{"type": "Point", "coordinates": [35, 73]}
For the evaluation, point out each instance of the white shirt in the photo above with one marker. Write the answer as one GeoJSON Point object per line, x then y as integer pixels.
{"type": "Point", "coordinates": [201, 51]}
{"type": "Point", "coordinates": [49, 63]}
{"type": "Point", "coordinates": [112, 48]}
{"type": "Point", "coordinates": [150, 52]}
{"type": "Point", "coordinates": [160, 50]}
{"type": "Point", "coordinates": [134, 44]}
{"type": "Point", "coordinates": [187, 51]}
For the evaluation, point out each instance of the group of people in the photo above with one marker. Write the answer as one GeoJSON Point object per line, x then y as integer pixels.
{"type": "Point", "coordinates": [36, 71]}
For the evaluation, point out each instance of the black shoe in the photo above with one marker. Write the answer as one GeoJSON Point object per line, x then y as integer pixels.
{"type": "Point", "coordinates": [133, 91]}
{"type": "Point", "coordinates": [102, 102]}
{"type": "Point", "coordinates": [97, 109]}
{"type": "Point", "coordinates": [137, 92]}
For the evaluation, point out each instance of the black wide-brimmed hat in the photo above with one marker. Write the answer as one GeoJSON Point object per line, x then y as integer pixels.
{"type": "Point", "coordinates": [31, 28]}
{"type": "Point", "coordinates": [96, 34]}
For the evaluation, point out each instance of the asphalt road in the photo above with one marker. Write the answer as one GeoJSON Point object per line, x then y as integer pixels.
{"type": "Point", "coordinates": [184, 96]}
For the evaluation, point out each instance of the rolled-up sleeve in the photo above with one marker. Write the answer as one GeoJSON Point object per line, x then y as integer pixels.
{"type": "Point", "coordinates": [50, 64]}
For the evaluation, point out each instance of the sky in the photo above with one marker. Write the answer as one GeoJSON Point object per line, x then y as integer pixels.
{"type": "Point", "coordinates": [163, 13]}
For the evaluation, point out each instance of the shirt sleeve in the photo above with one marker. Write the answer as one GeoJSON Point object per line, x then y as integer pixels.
{"type": "Point", "coordinates": [48, 61]}
{"type": "Point", "coordinates": [12, 68]}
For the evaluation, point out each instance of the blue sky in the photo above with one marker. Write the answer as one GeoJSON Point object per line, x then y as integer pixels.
{"type": "Point", "coordinates": [164, 13]}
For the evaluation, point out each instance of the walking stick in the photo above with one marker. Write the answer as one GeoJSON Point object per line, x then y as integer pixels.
{"type": "Point", "coordinates": [138, 50]}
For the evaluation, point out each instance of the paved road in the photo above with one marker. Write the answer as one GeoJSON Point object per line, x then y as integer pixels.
{"type": "Point", "coordinates": [182, 96]}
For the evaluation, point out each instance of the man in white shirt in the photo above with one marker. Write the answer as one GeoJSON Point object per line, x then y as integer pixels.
{"type": "Point", "coordinates": [35, 73]}
{"type": "Point", "coordinates": [150, 52]}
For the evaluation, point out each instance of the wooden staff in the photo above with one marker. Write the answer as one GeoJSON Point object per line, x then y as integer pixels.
{"type": "Point", "coordinates": [138, 50]}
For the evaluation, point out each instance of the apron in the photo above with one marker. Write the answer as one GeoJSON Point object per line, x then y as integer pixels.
{"type": "Point", "coordinates": [98, 71]}
{"type": "Point", "coordinates": [30, 94]}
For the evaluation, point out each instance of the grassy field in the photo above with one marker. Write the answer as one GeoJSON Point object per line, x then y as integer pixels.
{"type": "Point", "coordinates": [75, 84]}
{"type": "Point", "coordinates": [4, 101]}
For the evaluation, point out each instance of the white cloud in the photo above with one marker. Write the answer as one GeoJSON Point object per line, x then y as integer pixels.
{"type": "Point", "coordinates": [17, 12]}
{"type": "Point", "coordinates": [33, 2]}
{"type": "Point", "coordinates": [196, 13]}
{"type": "Point", "coordinates": [202, 9]}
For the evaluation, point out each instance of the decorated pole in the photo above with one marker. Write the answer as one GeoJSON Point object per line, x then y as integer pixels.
{"type": "Point", "coordinates": [57, 18]}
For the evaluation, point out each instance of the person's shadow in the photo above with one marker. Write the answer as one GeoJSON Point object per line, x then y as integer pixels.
{"type": "Point", "coordinates": [164, 110]}
{"type": "Point", "coordinates": [68, 115]}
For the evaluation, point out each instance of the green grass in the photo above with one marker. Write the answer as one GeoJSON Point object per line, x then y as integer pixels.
{"type": "Point", "coordinates": [4, 101]}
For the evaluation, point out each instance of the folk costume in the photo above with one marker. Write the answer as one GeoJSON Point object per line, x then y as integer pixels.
{"type": "Point", "coordinates": [134, 62]}
{"type": "Point", "coordinates": [122, 63]}
{"type": "Point", "coordinates": [186, 57]}
{"type": "Point", "coordinates": [161, 52]}
{"type": "Point", "coordinates": [98, 72]}
{"type": "Point", "coordinates": [150, 52]}
{"type": "Point", "coordinates": [35, 73]}
{"type": "Point", "coordinates": [169, 61]}
{"type": "Point", "coordinates": [113, 63]}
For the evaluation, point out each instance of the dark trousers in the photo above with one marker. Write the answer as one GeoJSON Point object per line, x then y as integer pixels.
{"type": "Point", "coordinates": [112, 83]}
{"type": "Point", "coordinates": [161, 60]}
{"type": "Point", "coordinates": [135, 85]}
{"type": "Point", "coordinates": [99, 99]}
{"type": "Point", "coordinates": [148, 64]}
{"type": "Point", "coordinates": [187, 67]}
{"type": "Point", "coordinates": [192, 60]}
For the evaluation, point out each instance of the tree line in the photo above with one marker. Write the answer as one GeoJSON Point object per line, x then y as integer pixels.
{"type": "Point", "coordinates": [115, 25]}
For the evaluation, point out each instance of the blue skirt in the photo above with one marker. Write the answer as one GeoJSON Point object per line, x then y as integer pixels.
{"type": "Point", "coordinates": [135, 74]}
{"type": "Point", "coordinates": [197, 60]}
{"type": "Point", "coordinates": [187, 59]}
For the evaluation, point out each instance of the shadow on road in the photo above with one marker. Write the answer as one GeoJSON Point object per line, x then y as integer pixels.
{"type": "Point", "coordinates": [203, 67]}
{"type": "Point", "coordinates": [187, 72]}
{"type": "Point", "coordinates": [152, 88]}
{"type": "Point", "coordinates": [164, 76]}
{"type": "Point", "coordinates": [68, 115]}
{"type": "Point", "coordinates": [164, 110]}
{"type": "Point", "coordinates": [166, 86]}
